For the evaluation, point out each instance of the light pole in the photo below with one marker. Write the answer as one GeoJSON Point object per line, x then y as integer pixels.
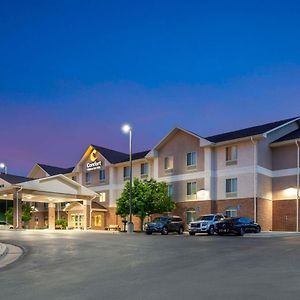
{"type": "Point", "coordinates": [4, 166]}
{"type": "Point", "coordinates": [127, 129]}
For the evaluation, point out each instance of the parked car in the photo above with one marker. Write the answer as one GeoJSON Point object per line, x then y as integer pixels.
{"type": "Point", "coordinates": [238, 226]}
{"type": "Point", "coordinates": [164, 225]}
{"type": "Point", "coordinates": [4, 225]}
{"type": "Point", "coordinates": [205, 224]}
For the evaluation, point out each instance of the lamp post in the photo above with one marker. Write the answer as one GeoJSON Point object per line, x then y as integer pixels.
{"type": "Point", "coordinates": [127, 129]}
{"type": "Point", "coordinates": [4, 166]}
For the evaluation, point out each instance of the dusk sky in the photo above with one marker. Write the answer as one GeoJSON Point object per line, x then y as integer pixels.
{"type": "Point", "coordinates": [72, 72]}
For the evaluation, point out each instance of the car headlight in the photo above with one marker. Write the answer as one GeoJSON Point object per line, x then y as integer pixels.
{"type": "Point", "coordinates": [146, 226]}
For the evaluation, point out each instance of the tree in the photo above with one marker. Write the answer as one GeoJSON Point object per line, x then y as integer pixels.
{"type": "Point", "coordinates": [26, 213]}
{"type": "Point", "coordinates": [148, 197]}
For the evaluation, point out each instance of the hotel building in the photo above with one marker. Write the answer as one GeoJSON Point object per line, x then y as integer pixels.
{"type": "Point", "coordinates": [252, 172]}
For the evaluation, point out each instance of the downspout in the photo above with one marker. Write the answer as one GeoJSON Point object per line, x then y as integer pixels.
{"type": "Point", "coordinates": [17, 208]}
{"type": "Point", "coordinates": [297, 198]}
{"type": "Point", "coordinates": [254, 179]}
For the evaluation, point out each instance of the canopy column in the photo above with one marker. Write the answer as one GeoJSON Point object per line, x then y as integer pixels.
{"type": "Point", "coordinates": [51, 216]}
{"type": "Point", "coordinates": [17, 209]}
{"type": "Point", "coordinates": [87, 214]}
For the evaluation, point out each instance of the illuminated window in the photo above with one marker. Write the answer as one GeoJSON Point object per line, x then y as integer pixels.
{"type": "Point", "coordinates": [191, 159]}
{"type": "Point", "coordinates": [102, 175]}
{"type": "Point", "coordinates": [168, 163]}
{"type": "Point", "coordinates": [98, 220]}
{"type": "Point", "coordinates": [191, 190]}
{"type": "Point", "coordinates": [231, 155]}
{"type": "Point", "coordinates": [101, 197]}
{"type": "Point", "coordinates": [144, 169]}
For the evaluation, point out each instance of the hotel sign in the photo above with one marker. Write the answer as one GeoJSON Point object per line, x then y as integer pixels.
{"type": "Point", "coordinates": [95, 163]}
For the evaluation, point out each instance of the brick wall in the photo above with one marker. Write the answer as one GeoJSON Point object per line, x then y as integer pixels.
{"type": "Point", "coordinates": [284, 215]}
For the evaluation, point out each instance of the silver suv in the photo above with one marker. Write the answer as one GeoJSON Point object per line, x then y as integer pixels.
{"type": "Point", "coordinates": [205, 224]}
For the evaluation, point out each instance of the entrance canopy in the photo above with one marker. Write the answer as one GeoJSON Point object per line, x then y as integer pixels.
{"type": "Point", "coordinates": [52, 189]}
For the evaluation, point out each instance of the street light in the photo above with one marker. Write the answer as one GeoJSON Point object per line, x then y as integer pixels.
{"type": "Point", "coordinates": [127, 129]}
{"type": "Point", "coordinates": [3, 166]}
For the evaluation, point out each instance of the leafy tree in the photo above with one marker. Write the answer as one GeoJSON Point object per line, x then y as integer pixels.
{"type": "Point", "coordinates": [26, 213]}
{"type": "Point", "coordinates": [148, 197]}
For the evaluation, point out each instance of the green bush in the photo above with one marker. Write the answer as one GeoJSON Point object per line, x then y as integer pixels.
{"type": "Point", "coordinates": [62, 222]}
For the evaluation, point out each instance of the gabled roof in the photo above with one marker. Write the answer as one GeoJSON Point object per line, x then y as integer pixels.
{"type": "Point", "coordinates": [53, 170]}
{"type": "Point", "coordinates": [247, 132]}
{"type": "Point", "coordinates": [294, 135]}
{"type": "Point", "coordinates": [115, 157]}
{"type": "Point", "coordinates": [14, 179]}
{"type": "Point", "coordinates": [96, 205]}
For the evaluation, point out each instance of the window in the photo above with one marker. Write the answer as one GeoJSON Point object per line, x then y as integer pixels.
{"type": "Point", "coordinates": [191, 159]}
{"type": "Point", "coordinates": [126, 172]}
{"type": "Point", "coordinates": [170, 190]}
{"type": "Point", "coordinates": [190, 215]}
{"type": "Point", "coordinates": [74, 178]}
{"type": "Point", "coordinates": [231, 155]}
{"type": "Point", "coordinates": [168, 163]}
{"type": "Point", "coordinates": [88, 178]}
{"type": "Point", "coordinates": [144, 169]}
{"type": "Point", "coordinates": [191, 190]}
{"type": "Point", "coordinates": [101, 197]}
{"type": "Point", "coordinates": [101, 175]}
{"type": "Point", "coordinates": [231, 212]}
{"type": "Point", "coordinates": [46, 205]}
{"type": "Point", "coordinates": [231, 187]}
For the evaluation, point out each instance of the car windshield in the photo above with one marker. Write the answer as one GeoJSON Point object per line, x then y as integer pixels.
{"type": "Point", "coordinates": [231, 220]}
{"type": "Point", "coordinates": [159, 220]}
{"type": "Point", "coordinates": [205, 218]}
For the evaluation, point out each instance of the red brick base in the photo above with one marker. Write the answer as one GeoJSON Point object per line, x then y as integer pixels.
{"type": "Point", "coordinates": [284, 215]}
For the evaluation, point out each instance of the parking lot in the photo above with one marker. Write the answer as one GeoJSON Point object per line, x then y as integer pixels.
{"type": "Point", "coordinates": [93, 265]}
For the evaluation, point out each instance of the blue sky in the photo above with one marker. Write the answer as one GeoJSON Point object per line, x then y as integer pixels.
{"type": "Point", "coordinates": [71, 72]}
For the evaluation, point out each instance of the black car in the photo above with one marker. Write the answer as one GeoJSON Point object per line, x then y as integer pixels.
{"type": "Point", "coordinates": [238, 226]}
{"type": "Point", "coordinates": [164, 225]}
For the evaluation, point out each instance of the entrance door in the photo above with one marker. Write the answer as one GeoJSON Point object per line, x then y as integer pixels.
{"type": "Point", "coordinates": [77, 220]}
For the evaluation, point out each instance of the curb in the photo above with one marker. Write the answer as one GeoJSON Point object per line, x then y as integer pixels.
{"type": "Point", "coordinates": [9, 254]}
{"type": "Point", "coordinates": [3, 250]}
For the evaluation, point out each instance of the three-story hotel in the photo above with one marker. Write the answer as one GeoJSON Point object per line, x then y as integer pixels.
{"type": "Point", "coordinates": [252, 172]}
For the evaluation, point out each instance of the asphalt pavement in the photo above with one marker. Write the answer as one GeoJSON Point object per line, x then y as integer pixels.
{"type": "Point", "coordinates": [91, 265]}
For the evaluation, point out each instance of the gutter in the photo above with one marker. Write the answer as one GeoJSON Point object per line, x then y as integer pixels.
{"type": "Point", "coordinates": [297, 198]}
{"type": "Point", "coordinates": [254, 179]}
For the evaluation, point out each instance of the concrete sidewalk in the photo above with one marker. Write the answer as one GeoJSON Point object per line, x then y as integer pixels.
{"type": "Point", "coordinates": [9, 254]}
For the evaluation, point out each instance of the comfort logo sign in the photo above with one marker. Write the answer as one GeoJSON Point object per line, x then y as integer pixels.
{"type": "Point", "coordinates": [94, 164]}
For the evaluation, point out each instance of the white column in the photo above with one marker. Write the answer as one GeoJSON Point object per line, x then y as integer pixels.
{"type": "Point", "coordinates": [208, 180]}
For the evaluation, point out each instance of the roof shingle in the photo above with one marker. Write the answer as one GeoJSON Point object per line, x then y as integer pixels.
{"type": "Point", "coordinates": [246, 132]}
{"type": "Point", "coordinates": [14, 179]}
{"type": "Point", "coordinates": [53, 170]}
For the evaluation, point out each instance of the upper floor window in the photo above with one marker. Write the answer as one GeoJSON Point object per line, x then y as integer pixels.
{"type": "Point", "coordinates": [102, 197]}
{"type": "Point", "coordinates": [191, 190]}
{"type": "Point", "coordinates": [170, 190]}
{"type": "Point", "coordinates": [231, 155]}
{"type": "Point", "coordinates": [231, 187]}
{"type": "Point", "coordinates": [191, 159]}
{"type": "Point", "coordinates": [168, 163]}
{"type": "Point", "coordinates": [126, 172]}
{"type": "Point", "coordinates": [101, 175]}
{"type": "Point", "coordinates": [88, 178]}
{"type": "Point", "coordinates": [144, 169]}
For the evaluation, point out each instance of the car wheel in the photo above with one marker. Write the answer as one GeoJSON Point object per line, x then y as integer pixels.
{"type": "Point", "coordinates": [242, 231]}
{"type": "Point", "coordinates": [191, 233]}
{"type": "Point", "coordinates": [164, 231]}
{"type": "Point", "coordinates": [180, 231]}
{"type": "Point", "coordinates": [258, 229]}
{"type": "Point", "coordinates": [211, 230]}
